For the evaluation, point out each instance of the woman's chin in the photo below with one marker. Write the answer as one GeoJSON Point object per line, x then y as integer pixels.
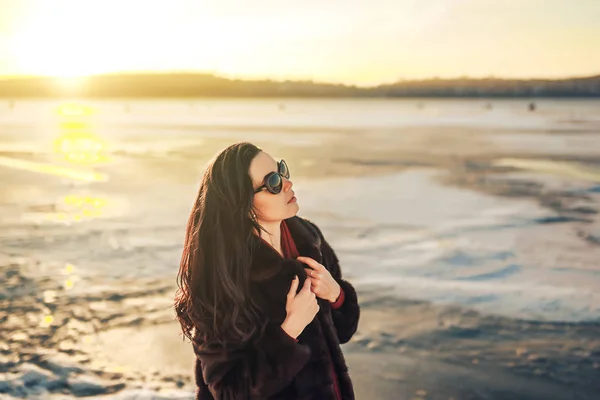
{"type": "Point", "coordinates": [294, 208]}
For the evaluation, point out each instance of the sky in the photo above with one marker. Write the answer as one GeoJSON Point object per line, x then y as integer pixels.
{"type": "Point", "coordinates": [363, 42]}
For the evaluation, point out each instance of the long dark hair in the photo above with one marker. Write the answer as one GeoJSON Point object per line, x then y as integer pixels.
{"type": "Point", "coordinates": [213, 303]}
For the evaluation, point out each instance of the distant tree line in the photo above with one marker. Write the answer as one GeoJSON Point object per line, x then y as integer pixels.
{"type": "Point", "coordinates": [206, 85]}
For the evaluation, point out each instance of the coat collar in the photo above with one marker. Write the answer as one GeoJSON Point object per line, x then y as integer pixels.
{"type": "Point", "coordinates": [267, 262]}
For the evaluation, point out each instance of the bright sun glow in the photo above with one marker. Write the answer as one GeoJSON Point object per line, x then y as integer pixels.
{"type": "Point", "coordinates": [60, 42]}
{"type": "Point", "coordinates": [57, 51]}
{"type": "Point", "coordinates": [65, 58]}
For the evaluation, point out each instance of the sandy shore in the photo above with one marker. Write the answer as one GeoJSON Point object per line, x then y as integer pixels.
{"type": "Point", "coordinates": [115, 340]}
{"type": "Point", "coordinates": [107, 329]}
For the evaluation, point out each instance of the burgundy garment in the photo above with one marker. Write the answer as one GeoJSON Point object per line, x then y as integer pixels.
{"type": "Point", "coordinates": [290, 251]}
{"type": "Point", "coordinates": [340, 300]}
{"type": "Point", "coordinates": [287, 242]}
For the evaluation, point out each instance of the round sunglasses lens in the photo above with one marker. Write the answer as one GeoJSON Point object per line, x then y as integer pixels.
{"type": "Point", "coordinates": [283, 169]}
{"type": "Point", "coordinates": [274, 183]}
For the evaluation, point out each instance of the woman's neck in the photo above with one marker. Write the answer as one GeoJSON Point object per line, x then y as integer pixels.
{"type": "Point", "coordinates": [272, 235]}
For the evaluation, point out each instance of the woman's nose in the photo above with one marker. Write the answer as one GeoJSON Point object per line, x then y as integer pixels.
{"type": "Point", "coordinates": [287, 184]}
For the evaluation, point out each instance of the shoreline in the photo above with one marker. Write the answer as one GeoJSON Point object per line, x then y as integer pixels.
{"type": "Point", "coordinates": [119, 341]}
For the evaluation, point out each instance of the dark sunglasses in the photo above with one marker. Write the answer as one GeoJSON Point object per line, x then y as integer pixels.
{"type": "Point", "coordinates": [273, 181]}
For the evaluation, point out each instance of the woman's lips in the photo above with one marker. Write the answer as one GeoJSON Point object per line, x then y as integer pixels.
{"type": "Point", "coordinates": [292, 200]}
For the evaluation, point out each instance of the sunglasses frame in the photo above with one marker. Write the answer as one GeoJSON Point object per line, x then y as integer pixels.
{"type": "Point", "coordinates": [267, 177]}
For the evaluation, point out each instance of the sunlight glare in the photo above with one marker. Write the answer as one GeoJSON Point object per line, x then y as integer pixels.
{"type": "Point", "coordinates": [58, 42]}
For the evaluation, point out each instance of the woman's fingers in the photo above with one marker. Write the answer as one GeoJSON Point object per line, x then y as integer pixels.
{"type": "Point", "coordinates": [312, 263]}
{"type": "Point", "coordinates": [293, 287]}
{"type": "Point", "coordinates": [306, 286]}
{"type": "Point", "coordinates": [312, 273]}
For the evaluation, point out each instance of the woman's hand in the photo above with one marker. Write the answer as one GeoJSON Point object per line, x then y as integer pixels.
{"type": "Point", "coordinates": [300, 308]}
{"type": "Point", "coordinates": [322, 283]}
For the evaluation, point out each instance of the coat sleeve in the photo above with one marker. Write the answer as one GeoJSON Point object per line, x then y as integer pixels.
{"type": "Point", "coordinates": [346, 317]}
{"type": "Point", "coordinates": [253, 370]}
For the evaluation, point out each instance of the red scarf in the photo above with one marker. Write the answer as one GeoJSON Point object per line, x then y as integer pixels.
{"type": "Point", "coordinates": [288, 247]}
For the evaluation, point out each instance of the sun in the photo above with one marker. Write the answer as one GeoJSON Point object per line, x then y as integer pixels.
{"type": "Point", "coordinates": [61, 52]}
{"type": "Point", "coordinates": [74, 40]}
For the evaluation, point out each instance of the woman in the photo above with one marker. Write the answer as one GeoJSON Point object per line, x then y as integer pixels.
{"type": "Point", "coordinates": [261, 294]}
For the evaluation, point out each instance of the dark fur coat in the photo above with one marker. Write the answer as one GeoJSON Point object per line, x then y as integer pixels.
{"type": "Point", "coordinates": [275, 366]}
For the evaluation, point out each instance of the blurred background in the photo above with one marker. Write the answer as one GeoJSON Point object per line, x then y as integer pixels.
{"type": "Point", "coordinates": [449, 150]}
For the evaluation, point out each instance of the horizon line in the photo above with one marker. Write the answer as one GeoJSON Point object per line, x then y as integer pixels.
{"type": "Point", "coordinates": [297, 79]}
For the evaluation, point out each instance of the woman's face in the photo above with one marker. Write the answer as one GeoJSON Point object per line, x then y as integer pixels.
{"type": "Point", "coordinates": [271, 207]}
